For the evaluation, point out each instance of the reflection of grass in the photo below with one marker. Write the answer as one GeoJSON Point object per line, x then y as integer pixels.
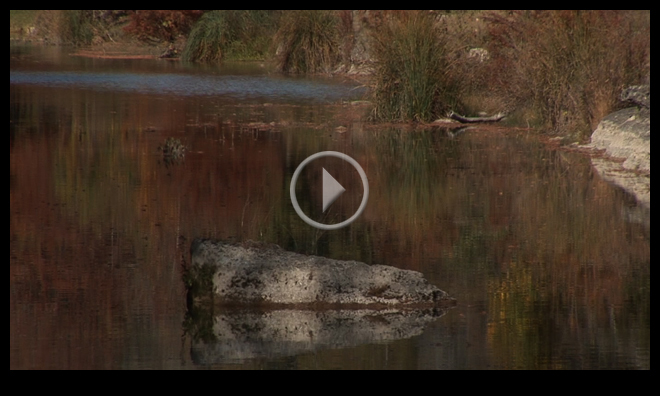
{"type": "Point", "coordinates": [532, 233]}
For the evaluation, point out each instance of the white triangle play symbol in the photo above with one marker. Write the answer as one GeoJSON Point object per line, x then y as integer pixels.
{"type": "Point", "coordinates": [331, 190]}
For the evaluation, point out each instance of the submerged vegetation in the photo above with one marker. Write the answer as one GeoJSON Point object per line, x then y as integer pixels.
{"type": "Point", "coordinates": [173, 150]}
{"type": "Point", "coordinates": [558, 70]}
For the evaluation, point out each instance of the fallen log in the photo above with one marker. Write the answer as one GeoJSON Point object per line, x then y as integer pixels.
{"type": "Point", "coordinates": [465, 120]}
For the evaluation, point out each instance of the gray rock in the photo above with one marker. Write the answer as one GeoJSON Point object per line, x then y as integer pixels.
{"type": "Point", "coordinates": [626, 134]}
{"type": "Point", "coordinates": [270, 276]}
{"type": "Point", "coordinates": [636, 184]}
{"type": "Point", "coordinates": [235, 336]}
{"type": "Point", "coordinates": [639, 95]}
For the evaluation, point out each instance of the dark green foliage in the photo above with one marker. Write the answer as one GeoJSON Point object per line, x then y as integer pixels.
{"type": "Point", "coordinates": [199, 281]}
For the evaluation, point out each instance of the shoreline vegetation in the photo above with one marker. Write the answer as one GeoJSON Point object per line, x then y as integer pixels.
{"type": "Point", "coordinates": [558, 71]}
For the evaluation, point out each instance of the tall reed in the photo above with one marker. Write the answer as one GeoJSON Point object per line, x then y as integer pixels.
{"type": "Point", "coordinates": [308, 42]}
{"type": "Point", "coordinates": [231, 34]}
{"type": "Point", "coordinates": [206, 39]}
{"type": "Point", "coordinates": [411, 77]}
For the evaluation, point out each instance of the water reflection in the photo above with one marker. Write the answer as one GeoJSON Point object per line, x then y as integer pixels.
{"type": "Point", "coordinates": [548, 268]}
{"type": "Point", "coordinates": [230, 87]}
{"type": "Point", "coordinates": [239, 336]}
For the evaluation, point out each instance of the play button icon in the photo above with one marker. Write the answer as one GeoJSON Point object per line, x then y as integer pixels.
{"type": "Point", "coordinates": [331, 190]}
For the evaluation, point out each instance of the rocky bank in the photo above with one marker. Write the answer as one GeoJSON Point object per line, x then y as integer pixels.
{"type": "Point", "coordinates": [626, 135]}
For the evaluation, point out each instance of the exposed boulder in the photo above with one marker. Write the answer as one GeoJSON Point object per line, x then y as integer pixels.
{"type": "Point", "coordinates": [626, 134]}
{"type": "Point", "coordinates": [270, 276]}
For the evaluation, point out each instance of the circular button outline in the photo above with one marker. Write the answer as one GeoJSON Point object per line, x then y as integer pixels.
{"type": "Point", "coordinates": [294, 180]}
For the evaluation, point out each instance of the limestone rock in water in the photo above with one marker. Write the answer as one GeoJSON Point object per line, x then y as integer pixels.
{"type": "Point", "coordinates": [258, 275]}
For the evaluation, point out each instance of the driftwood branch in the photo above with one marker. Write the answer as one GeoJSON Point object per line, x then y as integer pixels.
{"type": "Point", "coordinates": [464, 120]}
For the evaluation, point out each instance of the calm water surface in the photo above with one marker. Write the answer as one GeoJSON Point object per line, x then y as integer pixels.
{"type": "Point", "coordinates": [550, 264]}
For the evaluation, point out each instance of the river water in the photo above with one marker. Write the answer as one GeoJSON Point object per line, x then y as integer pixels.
{"type": "Point", "coordinates": [550, 264]}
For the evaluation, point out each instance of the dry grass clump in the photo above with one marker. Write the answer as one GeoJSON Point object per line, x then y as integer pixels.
{"type": "Point", "coordinates": [206, 39]}
{"type": "Point", "coordinates": [308, 41]}
{"type": "Point", "coordinates": [231, 34]}
{"type": "Point", "coordinates": [74, 27]}
{"type": "Point", "coordinates": [570, 66]}
{"type": "Point", "coordinates": [412, 79]}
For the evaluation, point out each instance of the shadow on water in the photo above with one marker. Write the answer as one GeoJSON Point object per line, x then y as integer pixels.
{"type": "Point", "coordinates": [549, 268]}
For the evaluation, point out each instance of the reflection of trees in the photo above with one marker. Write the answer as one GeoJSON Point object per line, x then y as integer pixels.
{"type": "Point", "coordinates": [560, 254]}
{"type": "Point", "coordinates": [99, 226]}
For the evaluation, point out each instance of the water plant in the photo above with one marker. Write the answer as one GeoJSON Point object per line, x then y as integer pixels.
{"type": "Point", "coordinates": [233, 34]}
{"type": "Point", "coordinates": [308, 42]}
{"type": "Point", "coordinates": [411, 77]}
{"type": "Point", "coordinates": [173, 150]}
{"type": "Point", "coordinates": [205, 41]}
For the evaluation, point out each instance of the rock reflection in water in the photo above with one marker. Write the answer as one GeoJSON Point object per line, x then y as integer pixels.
{"type": "Point", "coordinates": [237, 336]}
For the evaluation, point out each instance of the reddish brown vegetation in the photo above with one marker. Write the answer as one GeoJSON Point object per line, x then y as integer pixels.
{"type": "Point", "coordinates": [161, 25]}
{"type": "Point", "coordinates": [570, 65]}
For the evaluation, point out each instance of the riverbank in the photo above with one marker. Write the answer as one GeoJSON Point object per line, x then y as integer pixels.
{"type": "Point", "coordinates": [625, 135]}
{"type": "Point", "coordinates": [536, 248]}
{"type": "Point", "coordinates": [524, 63]}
